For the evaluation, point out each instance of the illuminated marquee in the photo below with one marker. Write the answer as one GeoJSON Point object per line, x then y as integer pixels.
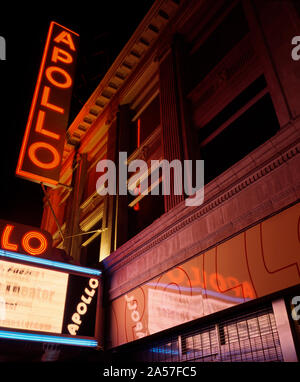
{"type": "Point", "coordinates": [43, 143]}
{"type": "Point", "coordinates": [27, 293]}
{"type": "Point", "coordinates": [38, 298]}
{"type": "Point", "coordinates": [24, 239]}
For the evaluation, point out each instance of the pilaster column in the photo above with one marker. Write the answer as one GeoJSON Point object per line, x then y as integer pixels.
{"type": "Point", "coordinates": [170, 120]}
{"type": "Point", "coordinates": [72, 245]}
{"type": "Point", "coordinates": [109, 210]}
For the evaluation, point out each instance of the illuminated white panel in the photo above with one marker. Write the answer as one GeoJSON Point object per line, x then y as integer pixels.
{"type": "Point", "coordinates": [32, 298]}
{"type": "Point", "coordinates": [167, 309]}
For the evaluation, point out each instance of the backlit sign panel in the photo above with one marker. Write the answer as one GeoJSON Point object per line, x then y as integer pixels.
{"type": "Point", "coordinates": [43, 143]}
{"type": "Point", "coordinates": [48, 301]}
{"type": "Point", "coordinates": [32, 298]}
{"type": "Point", "coordinates": [24, 239]}
{"type": "Point", "coordinates": [80, 311]}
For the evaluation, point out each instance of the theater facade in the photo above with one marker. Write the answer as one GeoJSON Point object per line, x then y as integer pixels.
{"type": "Point", "coordinates": [198, 80]}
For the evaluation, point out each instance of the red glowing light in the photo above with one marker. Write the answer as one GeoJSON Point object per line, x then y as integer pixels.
{"type": "Point", "coordinates": [42, 145]}
{"type": "Point", "coordinates": [55, 69]}
{"type": "Point", "coordinates": [5, 243]}
{"type": "Point", "coordinates": [35, 251]}
{"type": "Point", "coordinates": [61, 55]}
{"type": "Point", "coordinates": [138, 133]}
{"type": "Point", "coordinates": [44, 102]}
{"type": "Point", "coordinates": [48, 114]}
{"type": "Point", "coordinates": [39, 126]}
{"type": "Point", "coordinates": [66, 38]}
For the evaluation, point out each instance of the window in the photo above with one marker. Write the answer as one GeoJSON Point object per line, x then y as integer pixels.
{"type": "Point", "coordinates": [148, 121]}
{"type": "Point", "coordinates": [150, 207]}
{"type": "Point", "coordinates": [238, 129]}
{"type": "Point", "coordinates": [231, 30]}
{"type": "Point", "coordinates": [232, 110]}
{"type": "Point", "coordinates": [143, 210]}
{"type": "Point", "coordinates": [90, 246]}
{"type": "Point", "coordinates": [297, 6]}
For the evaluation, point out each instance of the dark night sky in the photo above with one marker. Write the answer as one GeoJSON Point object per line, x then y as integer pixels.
{"type": "Point", "coordinates": [104, 28]}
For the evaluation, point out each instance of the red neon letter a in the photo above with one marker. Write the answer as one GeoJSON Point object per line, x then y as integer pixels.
{"type": "Point", "coordinates": [66, 38]}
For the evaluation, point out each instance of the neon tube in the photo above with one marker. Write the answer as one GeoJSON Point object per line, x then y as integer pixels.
{"type": "Point", "coordinates": [47, 338]}
{"type": "Point", "coordinates": [50, 263]}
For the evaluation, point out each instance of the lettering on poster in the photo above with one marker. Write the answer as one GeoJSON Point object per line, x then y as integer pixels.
{"type": "Point", "coordinates": [32, 298]}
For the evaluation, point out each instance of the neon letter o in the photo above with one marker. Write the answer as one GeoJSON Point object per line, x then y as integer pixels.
{"type": "Point", "coordinates": [32, 250]}
{"type": "Point", "coordinates": [48, 166]}
{"type": "Point", "coordinates": [53, 69]}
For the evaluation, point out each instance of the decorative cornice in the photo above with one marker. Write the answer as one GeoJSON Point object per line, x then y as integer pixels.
{"type": "Point", "coordinates": [112, 85]}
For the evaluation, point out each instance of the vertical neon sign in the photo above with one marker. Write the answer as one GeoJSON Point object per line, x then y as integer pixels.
{"type": "Point", "coordinates": [43, 143]}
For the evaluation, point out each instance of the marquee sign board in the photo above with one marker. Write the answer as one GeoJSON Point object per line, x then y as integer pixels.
{"type": "Point", "coordinates": [31, 298]}
{"type": "Point", "coordinates": [48, 301]}
{"type": "Point", "coordinates": [43, 143]}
